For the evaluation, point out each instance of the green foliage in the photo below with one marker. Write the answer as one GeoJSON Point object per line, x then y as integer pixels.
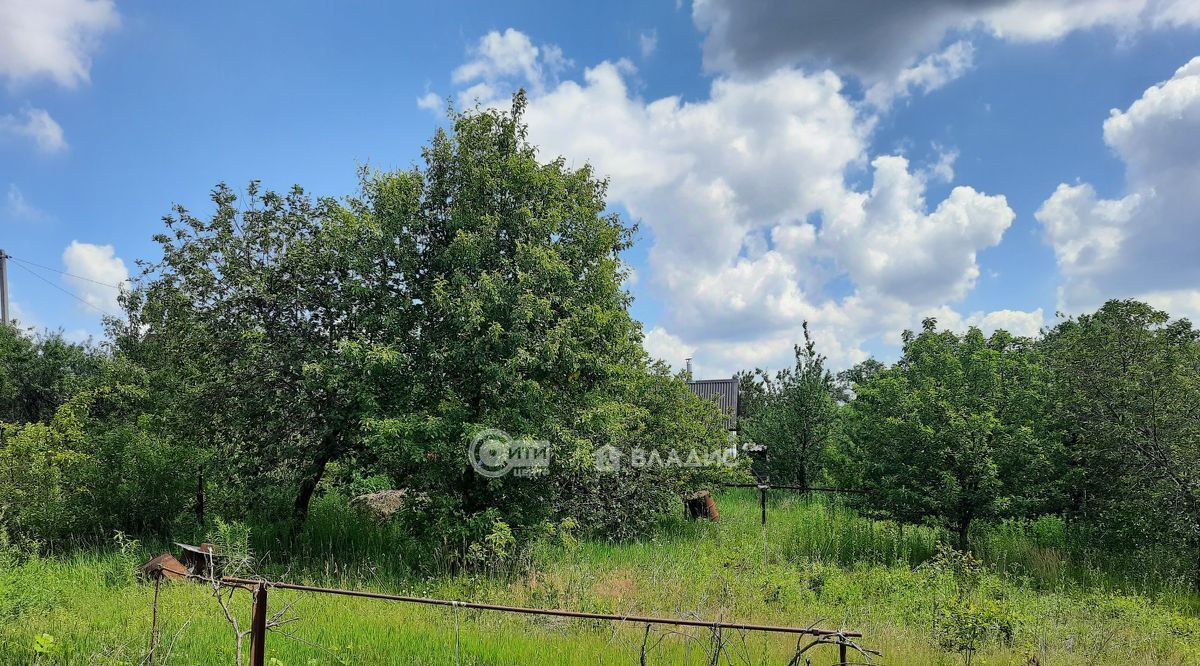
{"type": "Point", "coordinates": [966, 618]}
{"type": "Point", "coordinates": [243, 326]}
{"type": "Point", "coordinates": [96, 466]}
{"type": "Point", "coordinates": [649, 414]}
{"type": "Point", "coordinates": [233, 542]}
{"type": "Point", "coordinates": [954, 432]}
{"type": "Point", "coordinates": [829, 531]}
{"type": "Point", "coordinates": [522, 319]}
{"type": "Point", "coordinates": [38, 373]}
{"type": "Point", "coordinates": [44, 645]}
{"type": "Point", "coordinates": [1127, 395]}
{"type": "Point", "coordinates": [123, 565]}
{"type": "Point", "coordinates": [289, 337]}
{"type": "Point", "coordinates": [794, 415]}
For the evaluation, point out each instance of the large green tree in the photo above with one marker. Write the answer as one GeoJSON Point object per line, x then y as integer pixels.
{"type": "Point", "coordinates": [1127, 386]}
{"type": "Point", "coordinates": [481, 290]}
{"type": "Point", "coordinates": [952, 432]}
{"type": "Point", "coordinates": [521, 324]}
{"type": "Point", "coordinates": [250, 324]}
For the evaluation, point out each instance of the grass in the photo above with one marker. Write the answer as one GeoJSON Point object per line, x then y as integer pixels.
{"type": "Point", "coordinates": [815, 562]}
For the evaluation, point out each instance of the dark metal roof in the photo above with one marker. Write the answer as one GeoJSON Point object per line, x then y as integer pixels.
{"type": "Point", "coordinates": [724, 392]}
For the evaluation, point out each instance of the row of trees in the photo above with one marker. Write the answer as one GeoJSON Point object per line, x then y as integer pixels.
{"type": "Point", "coordinates": [285, 345]}
{"type": "Point", "coordinates": [1097, 419]}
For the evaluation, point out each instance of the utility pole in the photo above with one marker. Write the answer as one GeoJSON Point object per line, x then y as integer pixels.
{"type": "Point", "coordinates": [4, 288]}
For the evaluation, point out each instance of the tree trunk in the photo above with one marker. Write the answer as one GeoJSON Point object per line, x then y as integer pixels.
{"type": "Point", "coordinates": [310, 480]}
{"type": "Point", "coordinates": [964, 528]}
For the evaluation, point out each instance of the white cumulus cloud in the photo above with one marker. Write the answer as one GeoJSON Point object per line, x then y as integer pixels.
{"type": "Point", "coordinates": [1017, 322]}
{"type": "Point", "coordinates": [931, 73]}
{"type": "Point", "coordinates": [430, 102]}
{"type": "Point", "coordinates": [1145, 242]}
{"type": "Point", "coordinates": [745, 192]}
{"type": "Point", "coordinates": [888, 242]}
{"type": "Point", "coordinates": [510, 58]}
{"type": "Point", "coordinates": [101, 269]}
{"type": "Point", "coordinates": [52, 38]}
{"type": "Point", "coordinates": [663, 346]}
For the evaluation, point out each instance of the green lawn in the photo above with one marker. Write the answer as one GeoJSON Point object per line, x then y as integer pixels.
{"type": "Point", "coordinates": [815, 563]}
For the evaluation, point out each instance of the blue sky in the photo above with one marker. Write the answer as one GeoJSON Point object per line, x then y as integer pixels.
{"type": "Point", "coordinates": [786, 162]}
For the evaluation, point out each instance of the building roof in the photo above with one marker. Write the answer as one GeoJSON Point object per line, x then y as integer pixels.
{"type": "Point", "coordinates": [724, 392]}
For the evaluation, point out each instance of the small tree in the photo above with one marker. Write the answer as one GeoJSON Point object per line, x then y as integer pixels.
{"type": "Point", "coordinates": [794, 414]}
{"type": "Point", "coordinates": [950, 432]}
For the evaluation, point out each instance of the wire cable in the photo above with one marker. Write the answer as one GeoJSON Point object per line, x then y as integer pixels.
{"type": "Point", "coordinates": [77, 277]}
{"type": "Point", "coordinates": [74, 296]}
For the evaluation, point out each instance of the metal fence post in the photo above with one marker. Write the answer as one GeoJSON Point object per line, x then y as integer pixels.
{"type": "Point", "coordinates": [258, 625]}
{"type": "Point", "coordinates": [762, 497]}
{"type": "Point", "coordinates": [154, 619]}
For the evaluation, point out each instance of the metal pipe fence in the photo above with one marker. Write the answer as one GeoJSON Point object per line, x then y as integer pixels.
{"type": "Point", "coordinates": [259, 626]}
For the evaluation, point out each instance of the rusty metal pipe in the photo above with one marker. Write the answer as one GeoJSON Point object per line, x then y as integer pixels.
{"type": "Point", "coordinates": [810, 631]}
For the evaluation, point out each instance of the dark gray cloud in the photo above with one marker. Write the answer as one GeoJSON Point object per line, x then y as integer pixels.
{"type": "Point", "coordinates": [875, 39]}
{"type": "Point", "coordinates": [867, 38]}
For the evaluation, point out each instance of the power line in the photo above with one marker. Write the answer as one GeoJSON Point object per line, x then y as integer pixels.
{"type": "Point", "coordinates": [77, 277]}
{"type": "Point", "coordinates": [94, 307]}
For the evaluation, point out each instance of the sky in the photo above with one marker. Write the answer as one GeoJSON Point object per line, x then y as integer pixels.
{"type": "Point", "coordinates": [851, 164]}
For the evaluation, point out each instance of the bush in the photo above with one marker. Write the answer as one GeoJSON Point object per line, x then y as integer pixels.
{"type": "Point", "coordinates": [968, 614]}
{"type": "Point", "coordinates": [95, 468]}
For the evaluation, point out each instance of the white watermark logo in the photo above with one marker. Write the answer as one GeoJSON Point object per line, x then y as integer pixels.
{"type": "Point", "coordinates": [609, 458]}
{"type": "Point", "coordinates": [494, 454]}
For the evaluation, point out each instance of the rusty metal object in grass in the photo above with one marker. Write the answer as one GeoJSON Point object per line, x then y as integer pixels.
{"type": "Point", "coordinates": [701, 504]}
{"type": "Point", "coordinates": [164, 566]}
{"type": "Point", "coordinates": [203, 560]}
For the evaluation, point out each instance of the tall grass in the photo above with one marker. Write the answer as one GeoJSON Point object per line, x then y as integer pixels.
{"type": "Point", "coordinates": [1051, 554]}
{"type": "Point", "coordinates": [816, 561]}
{"type": "Point", "coordinates": [825, 529]}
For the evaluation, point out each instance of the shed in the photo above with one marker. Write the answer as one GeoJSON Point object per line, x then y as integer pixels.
{"type": "Point", "coordinates": [722, 391]}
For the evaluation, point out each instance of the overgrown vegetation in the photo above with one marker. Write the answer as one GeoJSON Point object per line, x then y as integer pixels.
{"type": "Point", "coordinates": [287, 353]}
{"type": "Point", "coordinates": [817, 560]}
{"type": "Point", "coordinates": [285, 346]}
{"type": "Point", "coordinates": [1094, 424]}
